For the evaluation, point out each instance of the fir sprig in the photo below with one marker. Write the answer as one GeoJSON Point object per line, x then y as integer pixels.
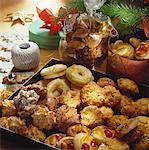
{"type": "Point", "coordinates": [128, 14]}
{"type": "Point", "coordinates": [77, 5]}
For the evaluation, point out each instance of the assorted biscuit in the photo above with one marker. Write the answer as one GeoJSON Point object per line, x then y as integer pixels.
{"type": "Point", "coordinates": [86, 114]}
{"type": "Point", "coordinates": [134, 49]}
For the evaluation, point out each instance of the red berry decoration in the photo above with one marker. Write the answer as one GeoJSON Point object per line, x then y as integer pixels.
{"type": "Point", "coordinates": [108, 133]}
{"type": "Point", "coordinates": [93, 143]}
{"type": "Point", "coordinates": [70, 146]}
{"type": "Point", "coordinates": [85, 147]}
{"type": "Point", "coordinates": [142, 46]}
{"type": "Point", "coordinates": [59, 136]}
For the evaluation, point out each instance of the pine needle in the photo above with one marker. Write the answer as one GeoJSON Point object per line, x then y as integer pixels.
{"type": "Point", "coordinates": [77, 5]}
{"type": "Point", "coordinates": [128, 14]}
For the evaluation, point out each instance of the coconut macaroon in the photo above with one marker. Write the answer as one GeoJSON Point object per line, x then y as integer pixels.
{"type": "Point", "coordinates": [115, 121]}
{"type": "Point", "coordinates": [113, 96]}
{"type": "Point", "coordinates": [17, 125]}
{"type": "Point", "coordinates": [39, 89]}
{"type": "Point", "coordinates": [144, 105]}
{"type": "Point", "coordinates": [25, 102]}
{"type": "Point", "coordinates": [92, 94]}
{"type": "Point", "coordinates": [102, 82]}
{"type": "Point", "coordinates": [8, 108]}
{"type": "Point", "coordinates": [4, 122]}
{"type": "Point", "coordinates": [4, 94]}
{"type": "Point", "coordinates": [128, 85]}
{"type": "Point", "coordinates": [65, 117]}
{"type": "Point", "coordinates": [129, 108]}
{"type": "Point", "coordinates": [35, 133]}
{"type": "Point", "coordinates": [43, 118]}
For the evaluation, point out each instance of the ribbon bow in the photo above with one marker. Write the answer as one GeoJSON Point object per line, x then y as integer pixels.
{"type": "Point", "coordinates": [54, 24]}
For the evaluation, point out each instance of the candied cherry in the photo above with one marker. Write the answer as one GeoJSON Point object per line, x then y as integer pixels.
{"type": "Point", "coordinates": [59, 136]}
{"type": "Point", "coordinates": [93, 143]}
{"type": "Point", "coordinates": [142, 46]}
{"type": "Point", "coordinates": [70, 146]}
{"type": "Point", "coordinates": [108, 133]}
{"type": "Point", "coordinates": [85, 147]}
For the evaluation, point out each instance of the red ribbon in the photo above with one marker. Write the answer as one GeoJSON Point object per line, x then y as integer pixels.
{"type": "Point", "coordinates": [50, 21]}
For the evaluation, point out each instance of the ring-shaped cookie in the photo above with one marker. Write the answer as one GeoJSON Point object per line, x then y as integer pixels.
{"type": "Point", "coordinates": [57, 87]}
{"type": "Point", "coordinates": [79, 75]}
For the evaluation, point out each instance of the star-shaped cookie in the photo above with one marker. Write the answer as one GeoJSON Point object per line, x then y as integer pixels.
{"type": "Point", "coordinates": [19, 17]}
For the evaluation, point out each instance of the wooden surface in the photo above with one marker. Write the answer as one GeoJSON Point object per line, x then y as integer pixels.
{"type": "Point", "coordinates": [8, 6]}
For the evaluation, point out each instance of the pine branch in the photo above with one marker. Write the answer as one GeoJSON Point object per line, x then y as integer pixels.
{"type": "Point", "coordinates": [123, 29]}
{"type": "Point", "coordinates": [77, 5]}
{"type": "Point", "coordinates": [128, 14]}
{"type": "Point", "coordinates": [112, 1]}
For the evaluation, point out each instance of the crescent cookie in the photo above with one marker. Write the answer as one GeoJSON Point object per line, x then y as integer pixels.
{"type": "Point", "coordinates": [79, 75]}
{"type": "Point", "coordinates": [53, 71]}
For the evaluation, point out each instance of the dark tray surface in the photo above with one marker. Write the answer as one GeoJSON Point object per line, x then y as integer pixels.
{"type": "Point", "coordinates": [28, 143]}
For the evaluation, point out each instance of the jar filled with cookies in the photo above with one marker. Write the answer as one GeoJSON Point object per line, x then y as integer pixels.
{"type": "Point", "coordinates": [87, 35]}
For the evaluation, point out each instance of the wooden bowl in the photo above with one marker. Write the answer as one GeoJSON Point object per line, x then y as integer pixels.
{"type": "Point", "coordinates": [137, 70]}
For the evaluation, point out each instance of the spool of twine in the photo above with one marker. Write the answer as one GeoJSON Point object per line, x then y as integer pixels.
{"type": "Point", "coordinates": [25, 56]}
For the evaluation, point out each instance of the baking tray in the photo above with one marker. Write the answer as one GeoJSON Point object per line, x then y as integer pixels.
{"type": "Point", "coordinates": [31, 144]}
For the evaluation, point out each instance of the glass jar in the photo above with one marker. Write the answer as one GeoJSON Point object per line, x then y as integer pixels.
{"type": "Point", "coordinates": [86, 40]}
